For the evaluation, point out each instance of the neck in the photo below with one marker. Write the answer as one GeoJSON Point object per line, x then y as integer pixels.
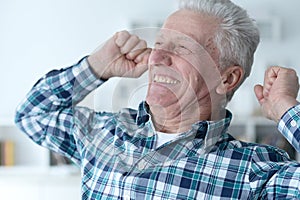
{"type": "Point", "coordinates": [176, 119]}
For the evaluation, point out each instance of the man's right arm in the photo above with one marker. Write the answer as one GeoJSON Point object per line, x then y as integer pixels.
{"type": "Point", "coordinates": [46, 115]}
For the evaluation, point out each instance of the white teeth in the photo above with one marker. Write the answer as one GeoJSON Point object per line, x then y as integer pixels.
{"type": "Point", "coordinates": [163, 79]}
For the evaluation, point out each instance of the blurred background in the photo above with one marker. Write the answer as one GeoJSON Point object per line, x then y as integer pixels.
{"type": "Point", "coordinates": [37, 36]}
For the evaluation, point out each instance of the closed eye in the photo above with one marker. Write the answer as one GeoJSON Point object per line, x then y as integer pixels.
{"type": "Point", "coordinates": [182, 50]}
{"type": "Point", "coordinates": [157, 44]}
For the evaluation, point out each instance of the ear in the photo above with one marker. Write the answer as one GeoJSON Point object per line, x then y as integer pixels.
{"type": "Point", "coordinates": [231, 77]}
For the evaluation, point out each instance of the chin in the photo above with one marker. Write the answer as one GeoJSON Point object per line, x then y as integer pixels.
{"type": "Point", "coordinates": [154, 101]}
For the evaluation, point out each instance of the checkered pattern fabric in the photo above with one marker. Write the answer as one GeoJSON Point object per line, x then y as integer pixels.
{"type": "Point", "coordinates": [289, 126]}
{"type": "Point", "coordinates": [118, 156]}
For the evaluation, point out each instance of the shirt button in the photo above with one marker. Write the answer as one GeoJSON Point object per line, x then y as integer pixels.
{"type": "Point", "coordinates": [140, 166]}
{"type": "Point", "coordinates": [293, 123]}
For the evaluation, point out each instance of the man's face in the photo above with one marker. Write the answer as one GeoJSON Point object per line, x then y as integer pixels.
{"type": "Point", "coordinates": [180, 66]}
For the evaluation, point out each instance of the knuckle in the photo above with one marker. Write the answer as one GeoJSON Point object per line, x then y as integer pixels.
{"type": "Point", "coordinates": [143, 43]}
{"type": "Point", "coordinates": [292, 72]}
{"type": "Point", "coordinates": [134, 37]}
{"type": "Point", "coordinates": [122, 34]}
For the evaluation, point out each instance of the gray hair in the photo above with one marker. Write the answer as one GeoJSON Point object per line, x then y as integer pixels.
{"type": "Point", "coordinates": [237, 37]}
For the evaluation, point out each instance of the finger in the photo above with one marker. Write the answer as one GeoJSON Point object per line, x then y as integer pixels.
{"type": "Point", "coordinates": [141, 68]}
{"type": "Point", "coordinates": [140, 47]}
{"type": "Point", "coordinates": [142, 65]}
{"type": "Point", "coordinates": [143, 56]}
{"type": "Point", "coordinates": [270, 76]}
{"type": "Point", "coordinates": [121, 38]}
{"type": "Point", "coordinates": [258, 90]}
{"type": "Point", "coordinates": [130, 44]}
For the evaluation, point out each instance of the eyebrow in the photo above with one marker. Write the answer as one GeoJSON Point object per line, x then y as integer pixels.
{"type": "Point", "coordinates": [182, 36]}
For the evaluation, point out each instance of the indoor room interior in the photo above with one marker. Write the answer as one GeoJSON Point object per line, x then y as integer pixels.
{"type": "Point", "coordinates": [38, 36]}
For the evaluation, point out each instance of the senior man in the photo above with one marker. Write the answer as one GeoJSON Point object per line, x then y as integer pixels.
{"type": "Point", "coordinates": [175, 145]}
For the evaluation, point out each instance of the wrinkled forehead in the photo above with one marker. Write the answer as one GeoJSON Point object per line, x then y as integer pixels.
{"type": "Point", "coordinates": [196, 25]}
{"type": "Point", "coordinates": [170, 35]}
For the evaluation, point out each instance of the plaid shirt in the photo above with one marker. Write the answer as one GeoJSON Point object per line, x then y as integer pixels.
{"type": "Point", "coordinates": [289, 126]}
{"type": "Point", "coordinates": [118, 156]}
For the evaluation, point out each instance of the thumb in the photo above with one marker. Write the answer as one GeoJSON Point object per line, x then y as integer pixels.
{"type": "Point", "coordinates": [140, 69]}
{"type": "Point", "coordinates": [143, 65]}
{"type": "Point", "coordinates": [258, 90]}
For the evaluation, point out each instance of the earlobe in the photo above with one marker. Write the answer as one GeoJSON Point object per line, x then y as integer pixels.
{"type": "Point", "coordinates": [230, 79]}
{"type": "Point", "coordinates": [221, 89]}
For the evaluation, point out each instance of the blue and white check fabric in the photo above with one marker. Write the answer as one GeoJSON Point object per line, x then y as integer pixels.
{"type": "Point", "coordinates": [118, 157]}
{"type": "Point", "coordinates": [289, 126]}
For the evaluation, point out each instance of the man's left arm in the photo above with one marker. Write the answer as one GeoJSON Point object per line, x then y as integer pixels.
{"type": "Point", "coordinates": [283, 183]}
{"type": "Point", "coordinates": [277, 97]}
{"type": "Point", "coordinates": [289, 126]}
{"type": "Point", "coordinates": [273, 175]}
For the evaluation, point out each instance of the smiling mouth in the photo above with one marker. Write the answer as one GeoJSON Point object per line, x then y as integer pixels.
{"type": "Point", "coordinates": [164, 79]}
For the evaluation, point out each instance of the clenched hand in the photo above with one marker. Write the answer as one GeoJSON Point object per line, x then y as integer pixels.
{"type": "Point", "coordinates": [278, 93]}
{"type": "Point", "coordinates": [123, 55]}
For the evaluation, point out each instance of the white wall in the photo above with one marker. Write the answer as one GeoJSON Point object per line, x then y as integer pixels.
{"type": "Point", "coordinates": [284, 51]}
{"type": "Point", "coordinates": [37, 36]}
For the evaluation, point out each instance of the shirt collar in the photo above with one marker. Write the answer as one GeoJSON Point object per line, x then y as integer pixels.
{"type": "Point", "coordinates": [143, 114]}
{"type": "Point", "coordinates": [210, 131]}
{"type": "Point", "coordinates": [214, 129]}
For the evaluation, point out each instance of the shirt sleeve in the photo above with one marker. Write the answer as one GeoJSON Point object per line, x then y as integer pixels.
{"type": "Point", "coordinates": [273, 175]}
{"type": "Point", "coordinates": [46, 115]}
{"type": "Point", "coordinates": [289, 126]}
{"type": "Point", "coordinates": [284, 183]}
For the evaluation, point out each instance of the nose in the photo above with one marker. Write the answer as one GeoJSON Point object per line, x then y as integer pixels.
{"type": "Point", "coordinates": [160, 56]}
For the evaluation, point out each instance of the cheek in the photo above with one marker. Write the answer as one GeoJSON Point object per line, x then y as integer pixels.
{"type": "Point", "coordinates": [198, 84]}
{"type": "Point", "coordinates": [204, 72]}
{"type": "Point", "coordinates": [191, 74]}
